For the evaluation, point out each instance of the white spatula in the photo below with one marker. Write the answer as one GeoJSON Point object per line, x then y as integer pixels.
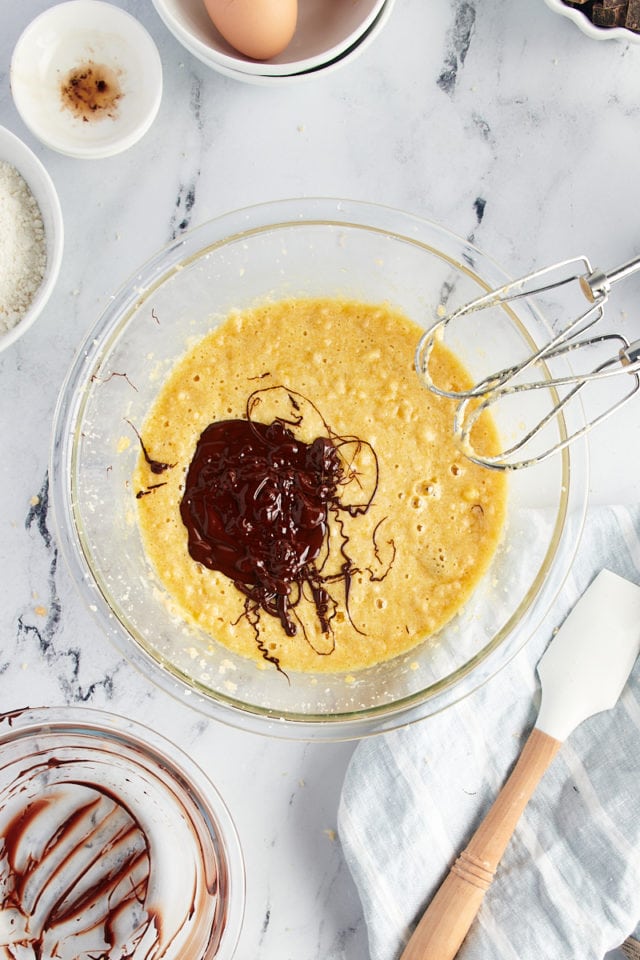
{"type": "Point", "coordinates": [582, 672]}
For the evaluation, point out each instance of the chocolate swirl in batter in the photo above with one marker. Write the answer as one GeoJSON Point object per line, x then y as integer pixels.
{"type": "Point", "coordinates": [256, 506]}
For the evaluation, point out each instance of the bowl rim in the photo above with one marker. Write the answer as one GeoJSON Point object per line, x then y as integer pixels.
{"type": "Point", "coordinates": [241, 64]}
{"type": "Point", "coordinates": [35, 173]}
{"type": "Point", "coordinates": [89, 13]}
{"type": "Point", "coordinates": [347, 725]}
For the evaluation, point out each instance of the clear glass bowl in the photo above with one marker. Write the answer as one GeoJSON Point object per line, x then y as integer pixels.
{"type": "Point", "coordinates": [113, 843]}
{"type": "Point", "coordinates": [303, 247]}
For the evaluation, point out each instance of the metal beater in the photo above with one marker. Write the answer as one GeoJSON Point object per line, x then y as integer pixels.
{"type": "Point", "coordinates": [594, 285]}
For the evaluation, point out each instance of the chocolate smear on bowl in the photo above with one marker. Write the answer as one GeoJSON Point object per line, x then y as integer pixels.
{"type": "Point", "coordinates": [74, 873]}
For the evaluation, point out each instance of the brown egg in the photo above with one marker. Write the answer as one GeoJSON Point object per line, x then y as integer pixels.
{"type": "Point", "coordinates": [258, 28]}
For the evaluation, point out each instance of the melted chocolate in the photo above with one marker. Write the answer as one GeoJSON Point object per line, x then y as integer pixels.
{"type": "Point", "coordinates": [256, 505]}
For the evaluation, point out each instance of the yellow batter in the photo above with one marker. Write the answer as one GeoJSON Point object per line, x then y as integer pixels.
{"type": "Point", "coordinates": [435, 520]}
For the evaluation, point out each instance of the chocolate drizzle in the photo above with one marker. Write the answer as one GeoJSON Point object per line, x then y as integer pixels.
{"type": "Point", "coordinates": [257, 503]}
{"type": "Point", "coordinates": [149, 489]}
{"type": "Point", "coordinates": [156, 466]}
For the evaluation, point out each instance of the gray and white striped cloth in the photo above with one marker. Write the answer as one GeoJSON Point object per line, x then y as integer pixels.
{"type": "Point", "coordinates": [568, 887]}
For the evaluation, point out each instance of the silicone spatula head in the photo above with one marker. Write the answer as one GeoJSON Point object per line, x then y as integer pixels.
{"type": "Point", "coordinates": [588, 662]}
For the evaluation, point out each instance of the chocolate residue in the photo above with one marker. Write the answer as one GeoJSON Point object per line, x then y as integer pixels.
{"type": "Point", "coordinates": [83, 889]}
{"type": "Point", "coordinates": [96, 379]}
{"type": "Point", "coordinates": [10, 715]}
{"type": "Point", "coordinates": [150, 489]}
{"type": "Point", "coordinates": [100, 855]}
{"type": "Point", "coordinates": [256, 507]}
{"type": "Point", "coordinates": [156, 466]}
{"type": "Point", "coordinates": [91, 91]}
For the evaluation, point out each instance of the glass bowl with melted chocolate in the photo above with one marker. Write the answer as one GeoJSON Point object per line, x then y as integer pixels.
{"type": "Point", "coordinates": [113, 843]}
{"type": "Point", "coordinates": [260, 501]}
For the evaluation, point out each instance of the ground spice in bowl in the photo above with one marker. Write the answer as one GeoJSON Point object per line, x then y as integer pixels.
{"type": "Point", "coordinates": [23, 251]}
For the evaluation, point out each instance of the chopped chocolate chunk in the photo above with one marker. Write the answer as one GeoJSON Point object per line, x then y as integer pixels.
{"type": "Point", "coordinates": [632, 19]}
{"type": "Point", "coordinates": [603, 17]}
{"type": "Point", "coordinates": [609, 13]}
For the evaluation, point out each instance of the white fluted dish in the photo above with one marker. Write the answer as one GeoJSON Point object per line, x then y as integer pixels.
{"type": "Point", "coordinates": [582, 21]}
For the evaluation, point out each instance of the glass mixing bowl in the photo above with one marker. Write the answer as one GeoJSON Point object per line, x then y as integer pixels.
{"type": "Point", "coordinates": [310, 247]}
{"type": "Point", "coordinates": [113, 843]}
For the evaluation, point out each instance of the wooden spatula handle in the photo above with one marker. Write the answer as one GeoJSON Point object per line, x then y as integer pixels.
{"type": "Point", "coordinates": [448, 917]}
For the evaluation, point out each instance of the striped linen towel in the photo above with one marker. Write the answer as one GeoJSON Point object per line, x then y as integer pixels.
{"type": "Point", "coordinates": [568, 887]}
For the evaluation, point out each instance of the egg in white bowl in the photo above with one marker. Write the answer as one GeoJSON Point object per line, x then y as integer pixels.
{"type": "Point", "coordinates": [326, 33]}
{"type": "Point", "coordinates": [589, 28]}
{"type": "Point", "coordinates": [359, 47]}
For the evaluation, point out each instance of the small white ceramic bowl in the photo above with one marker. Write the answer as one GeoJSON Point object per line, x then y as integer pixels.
{"type": "Point", "coordinates": [584, 23]}
{"type": "Point", "coordinates": [57, 51]}
{"type": "Point", "coordinates": [16, 153]}
{"type": "Point", "coordinates": [325, 31]}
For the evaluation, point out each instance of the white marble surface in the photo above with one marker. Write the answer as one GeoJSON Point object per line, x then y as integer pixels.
{"type": "Point", "coordinates": [498, 119]}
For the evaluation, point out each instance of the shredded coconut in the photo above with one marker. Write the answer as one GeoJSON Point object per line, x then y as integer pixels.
{"type": "Point", "coordinates": [23, 255]}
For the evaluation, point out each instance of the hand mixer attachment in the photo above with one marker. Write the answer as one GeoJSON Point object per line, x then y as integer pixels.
{"type": "Point", "coordinates": [539, 370]}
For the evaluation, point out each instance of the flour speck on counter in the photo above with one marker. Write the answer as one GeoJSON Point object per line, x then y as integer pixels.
{"type": "Point", "coordinates": [23, 256]}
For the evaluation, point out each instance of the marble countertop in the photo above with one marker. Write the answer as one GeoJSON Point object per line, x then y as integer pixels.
{"type": "Point", "coordinates": [499, 120]}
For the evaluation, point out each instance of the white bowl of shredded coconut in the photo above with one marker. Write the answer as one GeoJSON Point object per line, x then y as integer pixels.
{"type": "Point", "coordinates": [31, 237]}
